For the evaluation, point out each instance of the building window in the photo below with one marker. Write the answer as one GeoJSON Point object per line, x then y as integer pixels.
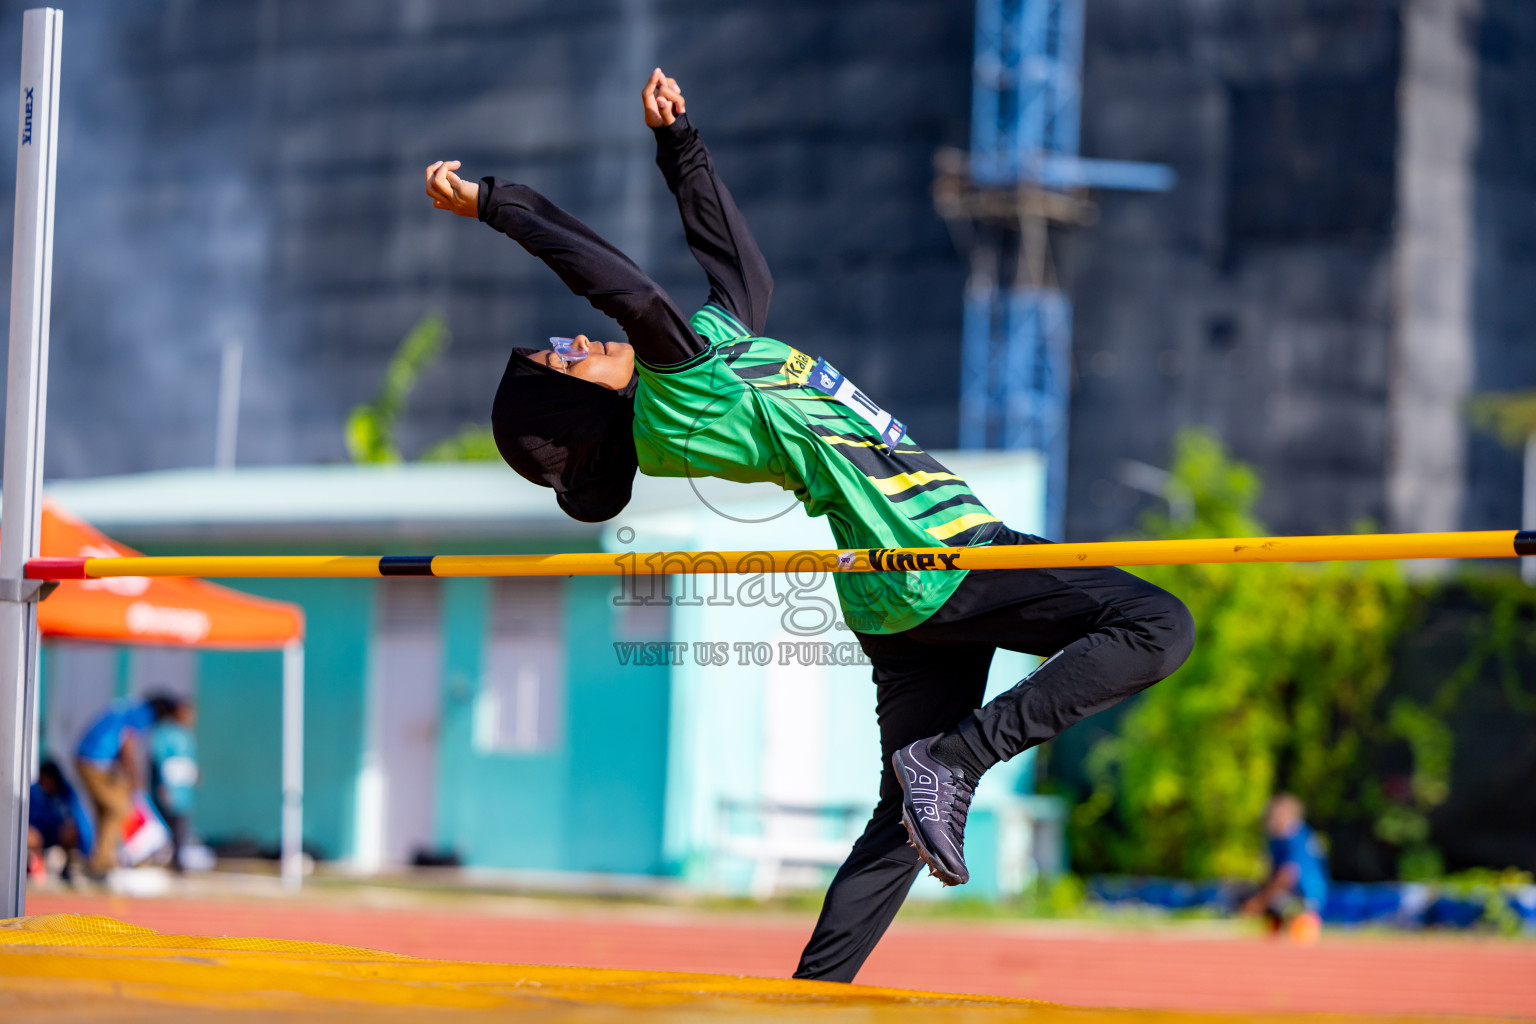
{"type": "Point", "coordinates": [159, 671]}
{"type": "Point", "coordinates": [521, 704]}
{"type": "Point", "coordinates": [1312, 161]}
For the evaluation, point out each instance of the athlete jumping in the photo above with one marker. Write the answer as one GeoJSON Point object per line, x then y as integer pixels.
{"type": "Point", "coordinates": [709, 395]}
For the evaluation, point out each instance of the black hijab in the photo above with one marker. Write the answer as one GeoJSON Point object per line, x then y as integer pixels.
{"type": "Point", "coordinates": [567, 433]}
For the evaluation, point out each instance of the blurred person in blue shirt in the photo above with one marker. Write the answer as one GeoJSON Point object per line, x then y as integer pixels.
{"type": "Point", "coordinates": [173, 775]}
{"type": "Point", "coordinates": [50, 818]}
{"type": "Point", "coordinates": [1293, 897]}
{"type": "Point", "coordinates": [110, 765]}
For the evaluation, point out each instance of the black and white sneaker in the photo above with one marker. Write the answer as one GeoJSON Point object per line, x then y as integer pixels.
{"type": "Point", "coordinates": [934, 802]}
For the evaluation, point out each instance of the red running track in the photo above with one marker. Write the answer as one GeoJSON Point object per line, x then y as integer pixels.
{"type": "Point", "coordinates": [1074, 965]}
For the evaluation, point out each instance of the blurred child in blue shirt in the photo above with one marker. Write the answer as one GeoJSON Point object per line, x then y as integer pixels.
{"type": "Point", "coordinates": [108, 764]}
{"type": "Point", "coordinates": [173, 775]}
{"type": "Point", "coordinates": [1293, 897]}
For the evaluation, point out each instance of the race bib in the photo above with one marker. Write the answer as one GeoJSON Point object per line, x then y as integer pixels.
{"type": "Point", "coordinates": [829, 382]}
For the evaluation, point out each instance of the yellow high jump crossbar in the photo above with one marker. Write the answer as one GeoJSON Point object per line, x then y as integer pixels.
{"type": "Point", "coordinates": [1350, 548]}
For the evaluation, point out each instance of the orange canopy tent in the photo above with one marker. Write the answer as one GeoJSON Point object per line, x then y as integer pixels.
{"type": "Point", "coordinates": [186, 613]}
{"type": "Point", "coordinates": [140, 610]}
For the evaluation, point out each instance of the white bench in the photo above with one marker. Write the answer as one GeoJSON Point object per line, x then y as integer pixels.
{"type": "Point", "coordinates": [774, 836]}
{"type": "Point", "coordinates": [1031, 839]}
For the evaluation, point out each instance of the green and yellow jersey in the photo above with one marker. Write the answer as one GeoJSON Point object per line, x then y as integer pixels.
{"type": "Point", "coordinates": [754, 409]}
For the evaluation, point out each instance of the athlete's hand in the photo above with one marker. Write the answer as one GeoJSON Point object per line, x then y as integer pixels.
{"type": "Point", "coordinates": [662, 99]}
{"type": "Point", "coordinates": [448, 191]}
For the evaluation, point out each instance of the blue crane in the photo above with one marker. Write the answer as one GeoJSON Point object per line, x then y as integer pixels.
{"type": "Point", "coordinates": [1022, 179]}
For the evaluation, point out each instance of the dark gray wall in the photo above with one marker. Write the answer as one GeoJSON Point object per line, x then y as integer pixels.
{"type": "Point", "coordinates": [254, 169]}
{"type": "Point", "coordinates": [1253, 299]}
{"type": "Point", "coordinates": [251, 168]}
{"type": "Point", "coordinates": [1504, 252]}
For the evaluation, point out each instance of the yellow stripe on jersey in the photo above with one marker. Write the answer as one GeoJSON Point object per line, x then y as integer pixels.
{"type": "Point", "coordinates": [906, 481]}
{"type": "Point", "coordinates": [851, 442]}
{"type": "Point", "coordinates": [854, 442]}
{"type": "Point", "coordinates": [965, 522]}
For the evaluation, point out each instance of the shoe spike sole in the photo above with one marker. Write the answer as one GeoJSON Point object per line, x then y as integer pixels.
{"type": "Point", "coordinates": [935, 869]}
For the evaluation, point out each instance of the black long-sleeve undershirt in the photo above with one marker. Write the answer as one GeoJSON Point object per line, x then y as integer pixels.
{"type": "Point", "coordinates": [717, 233]}
{"type": "Point", "coordinates": [594, 269]}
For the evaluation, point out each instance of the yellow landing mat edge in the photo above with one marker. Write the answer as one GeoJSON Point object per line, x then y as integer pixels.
{"type": "Point", "coordinates": [75, 967]}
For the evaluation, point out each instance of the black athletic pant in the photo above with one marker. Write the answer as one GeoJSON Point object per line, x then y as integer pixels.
{"type": "Point", "coordinates": [180, 827]}
{"type": "Point", "coordinates": [1107, 635]}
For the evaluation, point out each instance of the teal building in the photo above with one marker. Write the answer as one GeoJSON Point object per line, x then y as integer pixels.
{"type": "Point", "coordinates": [714, 730]}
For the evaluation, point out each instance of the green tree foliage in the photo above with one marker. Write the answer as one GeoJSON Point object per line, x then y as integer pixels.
{"type": "Point", "coordinates": [371, 427]}
{"type": "Point", "coordinates": [1283, 691]}
{"type": "Point", "coordinates": [1504, 638]}
{"type": "Point", "coordinates": [470, 444]}
{"type": "Point", "coordinates": [1509, 414]}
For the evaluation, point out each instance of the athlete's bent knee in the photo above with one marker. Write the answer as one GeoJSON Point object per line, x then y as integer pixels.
{"type": "Point", "coordinates": [1171, 632]}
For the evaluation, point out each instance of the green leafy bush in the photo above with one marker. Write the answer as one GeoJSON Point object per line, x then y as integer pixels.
{"type": "Point", "coordinates": [371, 427]}
{"type": "Point", "coordinates": [370, 432]}
{"type": "Point", "coordinates": [1493, 889]}
{"type": "Point", "coordinates": [470, 444]}
{"type": "Point", "coordinates": [1284, 690]}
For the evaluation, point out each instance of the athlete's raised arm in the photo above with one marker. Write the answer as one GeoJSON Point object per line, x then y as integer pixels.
{"type": "Point", "coordinates": [739, 281]}
{"type": "Point", "coordinates": [583, 259]}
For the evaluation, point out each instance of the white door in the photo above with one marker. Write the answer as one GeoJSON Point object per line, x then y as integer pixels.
{"type": "Point", "coordinates": [396, 801]}
{"type": "Point", "coordinates": [794, 781]}
{"type": "Point", "coordinates": [520, 708]}
{"type": "Point", "coordinates": [794, 732]}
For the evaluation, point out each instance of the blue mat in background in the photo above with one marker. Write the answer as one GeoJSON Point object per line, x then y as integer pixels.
{"type": "Point", "coordinates": [1401, 904]}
